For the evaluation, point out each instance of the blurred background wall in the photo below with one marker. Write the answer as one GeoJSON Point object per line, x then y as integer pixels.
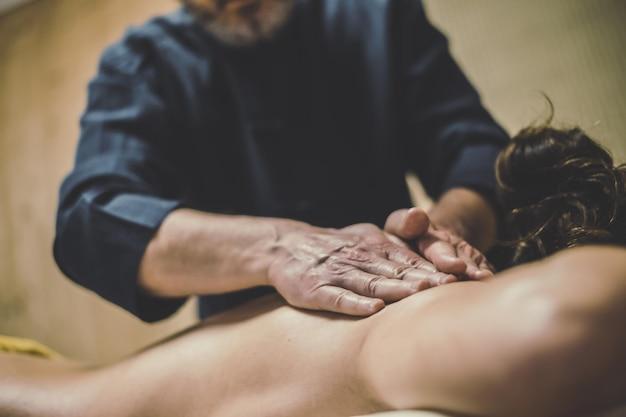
{"type": "Point", "coordinates": [48, 51]}
{"type": "Point", "coordinates": [570, 49]}
{"type": "Point", "coordinates": [573, 50]}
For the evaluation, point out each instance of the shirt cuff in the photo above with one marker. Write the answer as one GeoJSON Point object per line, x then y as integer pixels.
{"type": "Point", "coordinates": [143, 215]}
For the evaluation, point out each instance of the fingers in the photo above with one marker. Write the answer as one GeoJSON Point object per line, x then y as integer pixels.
{"type": "Point", "coordinates": [407, 257]}
{"type": "Point", "coordinates": [445, 255]}
{"type": "Point", "coordinates": [421, 268]}
{"type": "Point", "coordinates": [459, 259]}
{"type": "Point", "coordinates": [341, 300]}
{"type": "Point", "coordinates": [442, 254]}
{"type": "Point", "coordinates": [391, 269]}
{"type": "Point", "coordinates": [486, 270]}
{"type": "Point", "coordinates": [407, 224]}
{"type": "Point", "coordinates": [376, 286]}
{"type": "Point", "coordinates": [433, 278]}
{"type": "Point", "coordinates": [359, 293]}
{"type": "Point", "coordinates": [485, 265]}
{"type": "Point", "coordinates": [425, 277]}
{"type": "Point", "coordinates": [477, 266]}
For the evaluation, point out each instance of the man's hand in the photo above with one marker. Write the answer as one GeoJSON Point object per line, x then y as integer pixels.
{"type": "Point", "coordinates": [354, 270]}
{"type": "Point", "coordinates": [447, 251]}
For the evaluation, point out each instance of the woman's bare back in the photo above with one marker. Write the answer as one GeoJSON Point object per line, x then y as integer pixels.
{"type": "Point", "coordinates": [266, 358]}
{"type": "Point", "coordinates": [505, 347]}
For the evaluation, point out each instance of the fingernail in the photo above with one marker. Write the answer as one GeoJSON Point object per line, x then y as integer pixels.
{"type": "Point", "coordinates": [453, 265]}
{"type": "Point", "coordinates": [483, 274]}
{"type": "Point", "coordinates": [422, 285]}
{"type": "Point", "coordinates": [375, 306]}
{"type": "Point", "coordinates": [449, 279]}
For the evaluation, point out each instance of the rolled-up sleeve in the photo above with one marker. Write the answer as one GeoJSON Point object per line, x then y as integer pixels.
{"type": "Point", "coordinates": [124, 182]}
{"type": "Point", "coordinates": [451, 140]}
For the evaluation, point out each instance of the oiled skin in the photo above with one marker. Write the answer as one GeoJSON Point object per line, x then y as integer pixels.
{"type": "Point", "coordinates": [502, 348]}
{"type": "Point", "coordinates": [263, 359]}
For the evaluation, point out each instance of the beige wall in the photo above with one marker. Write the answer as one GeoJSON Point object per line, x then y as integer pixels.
{"type": "Point", "coordinates": [573, 50]}
{"type": "Point", "coordinates": [48, 51]}
{"type": "Point", "coordinates": [511, 49]}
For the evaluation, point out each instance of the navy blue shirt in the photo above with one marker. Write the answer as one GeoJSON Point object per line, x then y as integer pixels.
{"type": "Point", "coordinates": [320, 124]}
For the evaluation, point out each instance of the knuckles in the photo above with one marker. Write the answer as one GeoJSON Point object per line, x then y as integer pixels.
{"type": "Point", "coordinates": [360, 253]}
{"type": "Point", "coordinates": [400, 271]}
{"type": "Point", "coordinates": [417, 262]}
{"type": "Point", "coordinates": [336, 267]}
{"type": "Point", "coordinates": [365, 228]}
{"type": "Point", "coordinates": [339, 300]}
{"type": "Point", "coordinates": [373, 284]}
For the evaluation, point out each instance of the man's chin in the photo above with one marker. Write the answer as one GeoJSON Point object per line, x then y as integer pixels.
{"type": "Point", "coordinates": [241, 35]}
{"type": "Point", "coordinates": [245, 30]}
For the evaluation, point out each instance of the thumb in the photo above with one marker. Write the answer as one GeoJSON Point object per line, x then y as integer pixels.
{"type": "Point", "coordinates": [407, 224]}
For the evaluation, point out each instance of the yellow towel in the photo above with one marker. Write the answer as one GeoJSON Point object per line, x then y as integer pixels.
{"type": "Point", "coordinates": [26, 347]}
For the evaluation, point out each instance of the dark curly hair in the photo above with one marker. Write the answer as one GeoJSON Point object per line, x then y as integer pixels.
{"type": "Point", "coordinates": [559, 189]}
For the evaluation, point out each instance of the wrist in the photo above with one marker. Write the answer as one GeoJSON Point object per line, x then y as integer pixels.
{"type": "Point", "coordinates": [197, 253]}
{"type": "Point", "coordinates": [272, 250]}
{"type": "Point", "coordinates": [442, 220]}
{"type": "Point", "coordinates": [467, 214]}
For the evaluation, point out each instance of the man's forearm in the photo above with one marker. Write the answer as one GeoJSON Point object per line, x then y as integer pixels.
{"type": "Point", "coordinates": [340, 270]}
{"type": "Point", "coordinates": [468, 214]}
{"type": "Point", "coordinates": [202, 253]}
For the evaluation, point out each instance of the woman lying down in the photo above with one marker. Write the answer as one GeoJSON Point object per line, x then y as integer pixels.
{"type": "Point", "coordinates": [546, 338]}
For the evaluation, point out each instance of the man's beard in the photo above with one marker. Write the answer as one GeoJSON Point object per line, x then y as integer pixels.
{"type": "Point", "coordinates": [241, 22]}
